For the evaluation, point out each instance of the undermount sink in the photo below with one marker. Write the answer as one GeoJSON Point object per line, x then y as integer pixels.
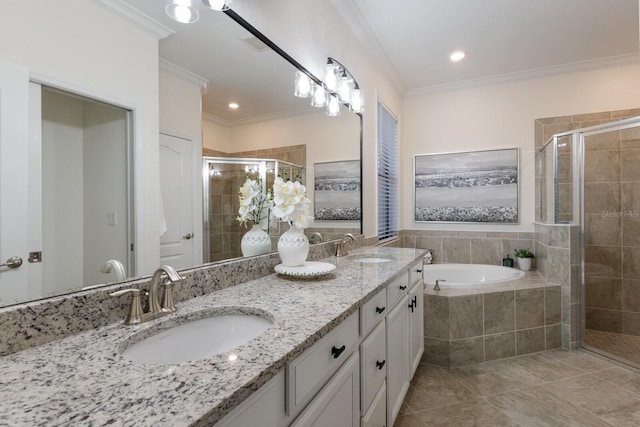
{"type": "Point", "coordinates": [197, 339]}
{"type": "Point", "coordinates": [371, 259]}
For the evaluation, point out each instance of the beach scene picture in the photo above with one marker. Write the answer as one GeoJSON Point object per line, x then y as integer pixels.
{"type": "Point", "coordinates": [337, 191]}
{"type": "Point", "coordinates": [477, 186]}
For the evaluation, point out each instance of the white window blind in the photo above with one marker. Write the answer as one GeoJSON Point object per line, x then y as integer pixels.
{"type": "Point", "coordinates": [387, 174]}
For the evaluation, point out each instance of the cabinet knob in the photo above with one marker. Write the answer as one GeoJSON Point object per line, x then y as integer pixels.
{"type": "Point", "coordinates": [380, 310]}
{"type": "Point", "coordinates": [380, 365]}
{"type": "Point", "coordinates": [336, 352]}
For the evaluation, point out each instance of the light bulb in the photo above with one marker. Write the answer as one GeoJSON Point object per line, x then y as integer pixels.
{"type": "Point", "coordinates": [344, 88]}
{"type": "Point", "coordinates": [219, 5]}
{"type": "Point", "coordinates": [319, 96]}
{"type": "Point", "coordinates": [333, 108]}
{"type": "Point", "coordinates": [302, 85]}
{"type": "Point", "coordinates": [330, 78]}
{"type": "Point", "coordinates": [184, 11]}
{"type": "Point", "coordinates": [357, 101]}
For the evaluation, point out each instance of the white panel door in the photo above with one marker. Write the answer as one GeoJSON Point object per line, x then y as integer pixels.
{"type": "Point", "coordinates": [176, 187]}
{"type": "Point", "coordinates": [14, 180]}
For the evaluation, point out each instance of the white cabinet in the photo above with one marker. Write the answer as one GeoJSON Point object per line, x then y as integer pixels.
{"type": "Point", "coordinates": [397, 324]}
{"type": "Point", "coordinates": [376, 416]}
{"type": "Point", "coordinates": [373, 365]}
{"type": "Point", "coordinates": [338, 404]}
{"type": "Point", "coordinates": [309, 373]}
{"type": "Point", "coordinates": [264, 408]}
{"type": "Point", "coordinates": [416, 326]}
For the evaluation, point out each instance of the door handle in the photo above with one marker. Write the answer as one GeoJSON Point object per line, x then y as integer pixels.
{"type": "Point", "coordinates": [13, 262]}
{"type": "Point", "coordinates": [188, 236]}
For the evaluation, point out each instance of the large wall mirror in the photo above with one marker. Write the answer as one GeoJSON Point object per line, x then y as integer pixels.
{"type": "Point", "coordinates": [270, 123]}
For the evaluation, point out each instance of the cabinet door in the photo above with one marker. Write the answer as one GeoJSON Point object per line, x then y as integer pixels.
{"type": "Point", "coordinates": [416, 326]}
{"type": "Point", "coordinates": [373, 369]}
{"type": "Point", "coordinates": [338, 403]}
{"type": "Point", "coordinates": [377, 414]}
{"type": "Point", "coordinates": [397, 323]}
{"type": "Point", "coordinates": [265, 408]}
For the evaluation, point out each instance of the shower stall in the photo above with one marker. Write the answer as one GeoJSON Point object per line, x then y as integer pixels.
{"type": "Point", "coordinates": [589, 180]}
{"type": "Point", "coordinates": [222, 179]}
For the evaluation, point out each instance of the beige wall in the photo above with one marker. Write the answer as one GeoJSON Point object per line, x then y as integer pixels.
{"type": "Point", "coordinates": [502, 115]}
{"type": "Point", "coordinates": [103, 57]}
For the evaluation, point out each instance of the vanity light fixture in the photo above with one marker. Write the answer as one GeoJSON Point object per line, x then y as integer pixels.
{"type": "Point", "coordinates": [219, 5]}
{"type": "Point", "coordinates": [457, 56]}
{"type": "Point", "coordinates": [184, 11]}
{"type": "Point", "coordinates": [338, 86]}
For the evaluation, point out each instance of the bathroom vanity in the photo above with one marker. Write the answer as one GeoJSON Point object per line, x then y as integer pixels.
{"type": "Point", "coordinates": [341, 349]}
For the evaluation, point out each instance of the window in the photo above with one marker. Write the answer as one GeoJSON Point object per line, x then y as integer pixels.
{"type": "Point", "coordinates": [387, 174]}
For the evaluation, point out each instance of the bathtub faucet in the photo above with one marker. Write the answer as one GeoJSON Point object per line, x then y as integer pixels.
{"type": "Point", "coordinates": [428, 258]}
{"type": "Point", "coordinates": [437, 286]}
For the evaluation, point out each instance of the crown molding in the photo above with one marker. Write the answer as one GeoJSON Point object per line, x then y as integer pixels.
{"type": "Point", "coordinates": [527, 74]}
{"type": "Point", "coordinates": [257, 119]}
{"type": "Point", "coordinates": [132, 15]}
{"type": "Point", "coordinates": [185, 74]}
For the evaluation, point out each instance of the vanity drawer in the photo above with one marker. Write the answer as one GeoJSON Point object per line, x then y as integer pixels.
{"type": "Point", "coordinates": [309, 372]}
{"type": "Point", "coordinates": [373, 360]}
{"type": "Point", "coordinates": [415, 272]}
{"type": "Point", "coordinates": [396, 289]}
{"type": "Point", "coordinates": [373, 311]}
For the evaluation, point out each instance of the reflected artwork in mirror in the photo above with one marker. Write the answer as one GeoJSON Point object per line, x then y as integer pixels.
{"type": "Point", "coordinates": [241, 65]}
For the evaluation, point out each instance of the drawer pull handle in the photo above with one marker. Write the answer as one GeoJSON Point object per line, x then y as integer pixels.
{"type": "Point", "coordinates": [402, 288]}
{"type": "Point", "coordinates": [380, 310]}
{"type": "Point", "coordinates": [380, 365]}
{"type": "Point", "coordinates": [336, 352]}
{"type": "Point", "coordinates": [419, 270]}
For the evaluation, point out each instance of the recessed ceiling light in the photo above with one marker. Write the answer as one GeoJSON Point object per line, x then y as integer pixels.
{"type": "Point", "coordinates": [233, 106]}
{"type": "Point", "coordinates": [458, 55]}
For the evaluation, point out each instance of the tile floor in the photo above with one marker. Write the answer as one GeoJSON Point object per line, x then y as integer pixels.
{"type": "Point", "coordinates": [552, 388]}
{"type": "Point", "coordinates": [625, 346]}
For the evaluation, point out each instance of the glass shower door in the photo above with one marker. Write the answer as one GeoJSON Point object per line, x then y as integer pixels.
{"type": "Point", "coordinates": [611, 241]}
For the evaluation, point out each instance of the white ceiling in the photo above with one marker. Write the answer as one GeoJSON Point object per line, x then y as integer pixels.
{"type": "Point", "coordinates": [412, 39]}
{"type": "Point", "coordinates": [500, 36]}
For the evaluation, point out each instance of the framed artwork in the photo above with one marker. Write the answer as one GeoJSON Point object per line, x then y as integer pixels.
{"type": "Point", "coordinates": [337, 191]}
{"type": "Point", "coordinates": [474, 186]}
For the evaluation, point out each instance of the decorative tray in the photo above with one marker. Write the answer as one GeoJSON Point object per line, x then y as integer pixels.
{"type": "Point", "coordinates": [308, 269]}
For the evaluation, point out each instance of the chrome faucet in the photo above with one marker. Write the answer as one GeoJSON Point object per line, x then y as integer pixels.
{"type": "Point", "coordinates": [437, 285]}
{"type": "Point", "coordinates": [313, 236]}
{"type": "Point", "coordinates": [341, 249]}
{"type": "Point", "coordinates": [428, 257]}
{"type": "Point", "coordinates": [155, 307]}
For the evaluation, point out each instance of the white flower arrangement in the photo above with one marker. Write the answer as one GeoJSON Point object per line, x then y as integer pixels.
{"type": "Point", "coordinates": [254, 205]}
{"type": "Point", "coordinates": [290, 202]}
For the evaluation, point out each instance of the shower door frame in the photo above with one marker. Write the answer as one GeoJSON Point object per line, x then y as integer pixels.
{"type": "Point", "coordinates": [579, 151]}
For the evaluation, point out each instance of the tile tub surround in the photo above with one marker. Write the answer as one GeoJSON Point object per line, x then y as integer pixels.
{"type": "Point", "coordinates": [83, 379]}
{"type": "Point", "coordinates": [35, 323]}
{"type": "Point", "coordinates": [466, 326]}
{"type": "Point", "coordinates": [467, 247]}
{"type": "Point", "coordinates": [558, 261]}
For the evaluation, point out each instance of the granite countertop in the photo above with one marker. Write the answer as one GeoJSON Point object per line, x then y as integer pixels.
{"type": "Point", "coordinates": [84, 380]}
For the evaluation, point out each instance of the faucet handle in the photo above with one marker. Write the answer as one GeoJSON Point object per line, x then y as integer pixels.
{"type": "Point", "coordinates": [135, 309]}
{"type": "Point", "coordinates": [167, 305]}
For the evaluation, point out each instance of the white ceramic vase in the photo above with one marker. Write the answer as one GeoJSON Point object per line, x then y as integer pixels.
{"type": "Point", "coordinates": [293, 247]}
{"type": "Point", "coordinates": [524, 263]}
{"type": "Point", "coordinates": [255, 242]}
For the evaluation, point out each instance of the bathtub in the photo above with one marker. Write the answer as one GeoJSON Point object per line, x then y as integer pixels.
{"type": "Point", "coordinates": [468, 275]}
